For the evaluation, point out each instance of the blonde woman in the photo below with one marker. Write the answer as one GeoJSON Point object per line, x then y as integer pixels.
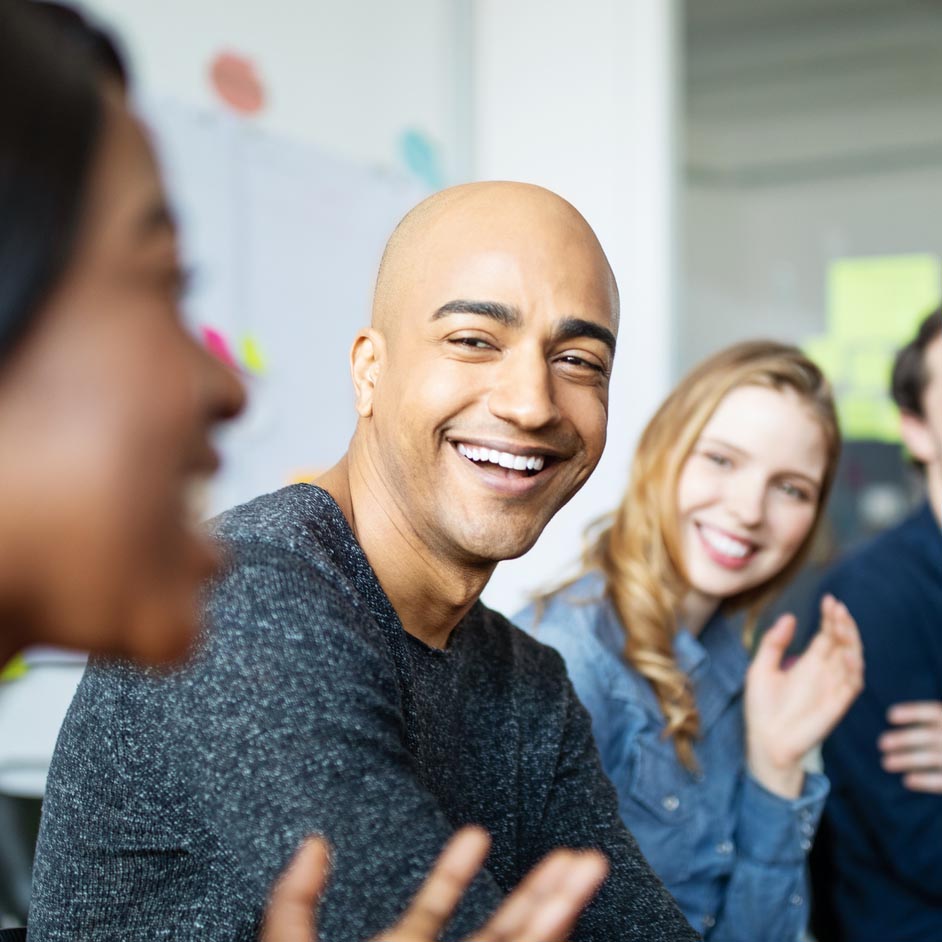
{"type": "Point", "coordinates": [705, 750]}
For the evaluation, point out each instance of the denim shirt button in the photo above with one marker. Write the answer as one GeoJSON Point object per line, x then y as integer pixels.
{"type": "Point", "coordinates": [709, 922]}
{"type": "Point", "coordinates": [670, 802]}
{"type": "Point", "coordinates": [805, 844]}
{"type": "Point", "coordinates": [795, 900]}
{"type": "Point", "coordinates": [724, 848]}
{"type": "Point", "coordinates": [807, 829]}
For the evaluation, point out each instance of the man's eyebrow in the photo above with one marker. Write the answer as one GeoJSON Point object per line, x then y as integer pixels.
{"type": "Point", "coordinates": [504, 314]}
{"type": "Point", "coordinates": [571, 328]}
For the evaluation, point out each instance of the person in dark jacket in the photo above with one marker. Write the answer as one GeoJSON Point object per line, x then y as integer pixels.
{"type": "Point", "coordinates": [879, 873]}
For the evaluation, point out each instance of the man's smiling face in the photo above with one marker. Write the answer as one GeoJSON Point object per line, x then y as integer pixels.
{"type": "Point", "coordinates": [490, 398]}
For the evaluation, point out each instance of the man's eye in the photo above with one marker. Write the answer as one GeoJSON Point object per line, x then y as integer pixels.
{"type": "Point", "coordinates": [473, 343]}
{"type": "Point", "coordinates": [570, 359]}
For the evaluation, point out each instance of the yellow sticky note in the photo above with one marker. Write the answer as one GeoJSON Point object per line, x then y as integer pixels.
{"type": "Point", "coordinates": [881, 296]}
{"type": "Point", "coordinates": [827, 355]}
{"type": "Point", "coordinates": [15, 668]}
{"type": "Point", "coordinates": [867, 418]}
{"type": "Point", "coordinates": [870, 369]}
{"type": "Point", "coordinates": [252, 357]}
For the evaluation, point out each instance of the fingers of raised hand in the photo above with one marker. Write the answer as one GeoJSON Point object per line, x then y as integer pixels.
{"type": "Point", "coordinates": [547, 903]}
{"type": "Point", "coordinates": [290, 916]}
{"type": "Point", "coordinates": [772, 647]}
{"type": "Point", "coordinates": [828, 615]}
{"type": "Point", "coordinates": [441, 892]}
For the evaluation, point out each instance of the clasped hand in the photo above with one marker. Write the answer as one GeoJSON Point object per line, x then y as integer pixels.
{"type": "Point", "coordinates": [914, 748]}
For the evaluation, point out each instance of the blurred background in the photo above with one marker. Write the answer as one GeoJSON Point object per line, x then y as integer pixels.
{"type": "Point", "coordinates": [752, 167]}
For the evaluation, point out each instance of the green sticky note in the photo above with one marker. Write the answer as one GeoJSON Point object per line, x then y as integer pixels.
{"type": "Point", "coordinates": [881, 297]}
{"type": "Point", "coordinates": [867, 418]}
{"type": "Point", "coordinates": [870, 369]}
{"type": "Point", "coordinates": [15, 668]}
{"type": "Point", "coordinates": [827, 355]}
{"type": "Point", "coordinates": [252, 357]}
{"type": "Point", "coordinates": [875, 305]}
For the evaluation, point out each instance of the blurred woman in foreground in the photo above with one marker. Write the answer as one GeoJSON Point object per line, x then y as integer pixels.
{"type": "Point", "coordinates": [107, 405]}
{"type": "Point", "coordinates": [727, 486]}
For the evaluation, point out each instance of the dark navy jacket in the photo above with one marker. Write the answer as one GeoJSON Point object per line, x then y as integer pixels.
{"type": "Point", "coordinates": [883, 857]}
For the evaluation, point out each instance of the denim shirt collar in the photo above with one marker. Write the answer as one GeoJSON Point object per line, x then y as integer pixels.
{"type": "Point", "coordinates": [716, 663]}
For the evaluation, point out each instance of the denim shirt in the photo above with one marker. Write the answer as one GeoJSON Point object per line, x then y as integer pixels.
{"type": "Point", "coordinates": [732, 853]}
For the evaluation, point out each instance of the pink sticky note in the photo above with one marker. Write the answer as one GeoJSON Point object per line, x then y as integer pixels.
{"type": "Point", "coordinates": [218, 346]}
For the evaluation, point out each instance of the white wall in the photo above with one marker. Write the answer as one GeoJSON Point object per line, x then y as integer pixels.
{"type": "Point", "coordinates": [581, 96]}
{"type": "Point", "coordinates": [347, 76]}
{"type": "Point", "coordinates": [757, 259]}
{"type": "Point", "coordinates": [814, 132]}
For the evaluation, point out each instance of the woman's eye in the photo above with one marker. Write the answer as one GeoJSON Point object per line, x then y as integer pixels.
{"type": "Point", "coordinates": [793, 491]}
{"type": "Point", "coordinates": [721, 461]}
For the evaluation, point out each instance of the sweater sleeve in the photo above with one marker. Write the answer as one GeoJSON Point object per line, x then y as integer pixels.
{"type": "Point", "coordinates": [582, 811]}
{"type": "Point", "coordinates": [290, 723]}
{"type": "Point", "coordinates": [766, 896]}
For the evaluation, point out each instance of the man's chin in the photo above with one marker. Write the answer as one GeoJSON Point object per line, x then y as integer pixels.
{"type": "Point", "coordinates": [493, 548]}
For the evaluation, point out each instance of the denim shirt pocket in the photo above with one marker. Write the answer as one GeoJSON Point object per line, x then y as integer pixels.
{"type": "Point", "coordinates": [659, 808]}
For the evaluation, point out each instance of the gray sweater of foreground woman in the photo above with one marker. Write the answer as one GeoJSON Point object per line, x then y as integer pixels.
{"type": "Point", "coordinates": [174, 800]}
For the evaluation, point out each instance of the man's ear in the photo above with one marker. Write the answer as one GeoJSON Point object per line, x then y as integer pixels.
{"type": "Point", "coordinates": [917, 438]}
{"type": "Point", "coordinates": [367, 358]}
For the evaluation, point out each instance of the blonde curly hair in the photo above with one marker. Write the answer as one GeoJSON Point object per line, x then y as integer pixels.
{"type": "Point", "coordinates": [637, 548]}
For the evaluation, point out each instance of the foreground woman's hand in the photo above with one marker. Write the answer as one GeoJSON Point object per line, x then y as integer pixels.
{"type": "Point", "coordinates": [914, 748]}
{"type": "Point", "coordinates": [791, 710]}
{"type": "Point", "coordinates": [544, 906]}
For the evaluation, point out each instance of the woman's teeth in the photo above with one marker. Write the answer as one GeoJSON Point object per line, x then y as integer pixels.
{"type": "Point", "coordinates": [503, 458]}
{"type": "Point", "coordinates": [726, 545]}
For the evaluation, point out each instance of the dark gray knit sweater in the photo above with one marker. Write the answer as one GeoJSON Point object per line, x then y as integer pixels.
{"type": "Point", "coordinates": [174, 801]}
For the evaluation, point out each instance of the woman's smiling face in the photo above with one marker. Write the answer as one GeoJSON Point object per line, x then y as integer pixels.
{"type": "Point", "coordinates": [749, 491]}
{"type": "Point", "coordinates": [106, 410]}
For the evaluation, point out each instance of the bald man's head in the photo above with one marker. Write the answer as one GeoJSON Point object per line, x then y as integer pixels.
{"type": "Point", "coordinates": [472, 217]}
{"type": "Point", "coordinates": [482, 384]}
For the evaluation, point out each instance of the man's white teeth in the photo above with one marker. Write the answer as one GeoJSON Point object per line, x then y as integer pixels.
{"type": "Point", "coordinates": [725, 544]}
{"type": "Point", "coordinates": [503, 458]}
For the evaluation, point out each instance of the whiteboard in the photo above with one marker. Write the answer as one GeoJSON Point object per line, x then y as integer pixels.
{"type": "Point", "coordinates": [284, 242]}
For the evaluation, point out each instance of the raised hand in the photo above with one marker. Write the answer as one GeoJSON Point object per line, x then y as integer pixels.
{"type": "Point", "coordinates": [543, 908]}
{"type": "Point", "coordinates": [791, 710]}
{"type": "Point", "coordinates": [915, 750]}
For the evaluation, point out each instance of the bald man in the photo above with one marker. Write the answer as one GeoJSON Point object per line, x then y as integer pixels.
{"type": "Point", "coordinates": [352, 683]}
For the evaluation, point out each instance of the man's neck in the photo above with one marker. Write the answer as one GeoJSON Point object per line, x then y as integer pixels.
{"type": "Point", "coordinates": [430, 594]}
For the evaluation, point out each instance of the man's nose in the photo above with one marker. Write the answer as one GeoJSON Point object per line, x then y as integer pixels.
{"type": "Point", "coordinates": [523, 392]}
